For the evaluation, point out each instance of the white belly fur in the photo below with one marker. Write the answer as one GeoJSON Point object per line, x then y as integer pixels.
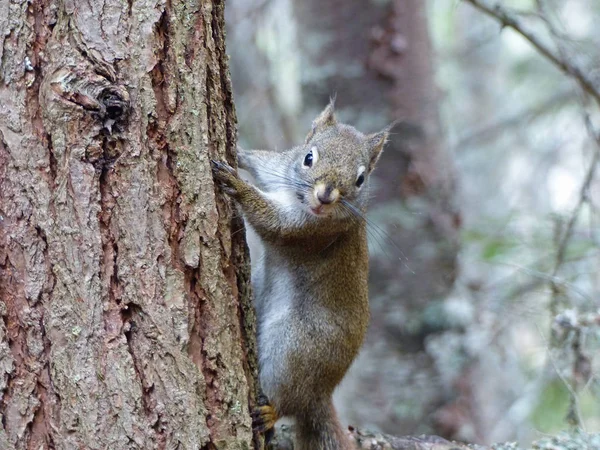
{"type": "Point", "coordinates": [273, 336]}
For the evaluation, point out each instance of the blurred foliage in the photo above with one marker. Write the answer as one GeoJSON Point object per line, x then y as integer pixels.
{"type": "Point", "coordinates": [516, 126]}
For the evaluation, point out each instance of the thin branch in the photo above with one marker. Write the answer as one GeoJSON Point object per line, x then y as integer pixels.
{"type": "Point", "coordinates": [507, 19]}
{"type": "Point", "coordinates": [553, 279]}
{"type": "Point", "coordinates": [488, 131]}
{"type": "Point", "coordinates": [583, 198]}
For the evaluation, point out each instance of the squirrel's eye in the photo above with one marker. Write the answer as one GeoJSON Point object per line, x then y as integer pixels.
{"type": "Point", "coordinates": [360, 180]}
{"type": "Point", "coordinates": [308, 159]}
{"type": "Point", "coordinates": [311, 157]}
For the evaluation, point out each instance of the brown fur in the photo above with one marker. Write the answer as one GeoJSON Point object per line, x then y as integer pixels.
{"type": "Point", "coordinates": [311, 285]}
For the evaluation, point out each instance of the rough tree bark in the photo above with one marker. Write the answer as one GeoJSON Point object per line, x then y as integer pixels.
{"type": "Point", "coordinates": [124, 294]}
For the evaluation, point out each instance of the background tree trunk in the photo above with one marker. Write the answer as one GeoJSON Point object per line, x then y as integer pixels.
{"type": "Point", "coordinates": [126, 321]}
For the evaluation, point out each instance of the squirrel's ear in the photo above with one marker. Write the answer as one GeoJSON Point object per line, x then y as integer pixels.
{"type": "Point", "coordinates": [324, 120]}
{"type": "Point", "coordinates": [376, 142]}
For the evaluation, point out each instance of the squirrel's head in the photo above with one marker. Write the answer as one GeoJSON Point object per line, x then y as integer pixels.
{"type": "Point", "coordinates": [335, 164]}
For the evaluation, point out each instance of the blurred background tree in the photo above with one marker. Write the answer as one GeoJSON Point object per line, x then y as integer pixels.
{"type": "Point", "coordinates": [484, 232]}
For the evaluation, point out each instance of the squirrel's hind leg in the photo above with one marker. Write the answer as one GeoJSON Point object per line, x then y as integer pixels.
{"type": "Point", "coordinates": [264, 418]}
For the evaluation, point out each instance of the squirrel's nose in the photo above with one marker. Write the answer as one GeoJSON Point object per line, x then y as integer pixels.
{"type": "Point", "coordinates": [326, 194]}
{"type": "Point", "coordinates": [324, 199]}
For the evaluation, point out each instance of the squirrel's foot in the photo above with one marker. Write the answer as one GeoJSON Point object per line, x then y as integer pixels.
{"type": "Point", "coordinates": [264, 417]}
{"type": "Point", "coordinates": [227, 178]}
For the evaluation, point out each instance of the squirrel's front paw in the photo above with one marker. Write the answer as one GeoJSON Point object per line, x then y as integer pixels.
{"type": "Point", "coordinates": [226, 177]}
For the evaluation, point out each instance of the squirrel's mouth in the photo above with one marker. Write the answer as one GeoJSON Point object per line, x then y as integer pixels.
{"type": "Point", "coordinates": [317, 210]}
{"type": "Point", "coordinates": [321, 210]}
{"type": "Point", "coordinates": [323, 199]}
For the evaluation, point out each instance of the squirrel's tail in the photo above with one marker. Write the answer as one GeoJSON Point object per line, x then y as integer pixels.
{"type": "Point", "coordinates": [320, 429]}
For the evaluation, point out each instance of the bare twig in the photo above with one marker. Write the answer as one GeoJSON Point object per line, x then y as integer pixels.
{"type": "Point", "coordinates": [569, 67]}
{"type": "Point", "coordinates": [553, 279]}
{"type": "Point", "coordinates": [488, 131]}
{"type": "Point", "coordinates": [583, 198]}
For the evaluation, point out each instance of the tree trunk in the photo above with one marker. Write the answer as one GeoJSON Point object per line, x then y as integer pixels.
{"type": "Point", "coordinates": [125, 306]}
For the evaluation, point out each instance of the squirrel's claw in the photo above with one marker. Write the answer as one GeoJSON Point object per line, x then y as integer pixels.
{"type": "Point", "coordinates": [218, 166]}
{"type": "Point", "coordinates": [264, 418]}
{"type": "Point", "coordinates": [222, 171]}
{"type": "Point", "coordinates": [225, 175]}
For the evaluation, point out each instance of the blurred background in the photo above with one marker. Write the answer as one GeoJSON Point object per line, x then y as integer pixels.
{"type": "Point", "coordinates": [484, 226]}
